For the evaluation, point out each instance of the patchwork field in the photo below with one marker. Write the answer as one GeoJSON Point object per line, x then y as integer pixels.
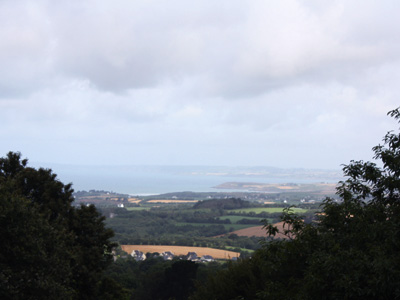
{"type": "Point", "coordinates": [181, 250]}
{"type": "Point", "coordinates": [134, 200]}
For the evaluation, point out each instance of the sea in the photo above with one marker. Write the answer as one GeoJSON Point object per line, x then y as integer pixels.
{"type": "Point", "coordinates": [152, 180]}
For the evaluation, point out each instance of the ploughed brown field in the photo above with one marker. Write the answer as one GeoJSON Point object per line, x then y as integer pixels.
{"type": "Point", "coordinates": [259, 231]}
{"type": "Point", "coordinates": [182, 250]}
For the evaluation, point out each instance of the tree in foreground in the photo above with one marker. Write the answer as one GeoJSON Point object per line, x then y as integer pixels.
{"type": "Point", "coordinates": [49, 249]}
{"type": "Point", "coordinates": [350, 252]}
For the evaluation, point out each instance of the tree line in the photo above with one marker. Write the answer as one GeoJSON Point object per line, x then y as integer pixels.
{"type": "Point", "coordinates": [50, 249]}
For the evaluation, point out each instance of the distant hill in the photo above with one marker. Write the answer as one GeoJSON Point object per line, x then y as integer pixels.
{"type": "Point", "coordinates": [320, 188]}
{"type": "Point", "coordinates": [99, 197]}
{"type": "Point", "coordinates": [229, 203]}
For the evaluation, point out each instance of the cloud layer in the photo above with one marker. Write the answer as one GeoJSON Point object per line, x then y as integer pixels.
{"type": "Point", "coordinates": [284, 83]}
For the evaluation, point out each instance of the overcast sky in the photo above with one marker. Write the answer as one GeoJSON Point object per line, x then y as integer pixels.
{"type": "Point", "coordinates": [239, 83]}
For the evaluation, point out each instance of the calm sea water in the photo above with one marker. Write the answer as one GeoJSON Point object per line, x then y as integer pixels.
{"type": "Point", "coordinates": [140, 180]}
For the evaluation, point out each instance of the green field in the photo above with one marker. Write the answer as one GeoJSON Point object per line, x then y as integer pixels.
{"type": "Point", "coordinates": [234, 219]}
{"type": "Point", "coordinates": [241, 249]}
{"type": "Point", "coordinates": [258, 210]}
{"type": "Point", "coordinates": [138, 208]}
{"type": "Point", "coordinates": [227, 226]}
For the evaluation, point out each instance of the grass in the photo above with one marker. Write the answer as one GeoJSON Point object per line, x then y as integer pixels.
{"type": "Point", "coordinates": [228, 227]}
{"type": "Point", "coordinates": [138, 208]}
{"type": "Point", "coordinates": [258, 210]}
{"type": "Point", "coordinates": [234, 219]}
{"type": "Point", "coordinates": [241, 249]}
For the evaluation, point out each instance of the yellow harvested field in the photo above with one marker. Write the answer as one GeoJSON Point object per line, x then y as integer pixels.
{"type": "Point", "coordinates": [285, 187]}
{"type": "Point", "coordinates": [172, 201]}
{"type": "Point", "coordinates": [134, 200]}
{"type": "Point", "coordinates": [182, 250]}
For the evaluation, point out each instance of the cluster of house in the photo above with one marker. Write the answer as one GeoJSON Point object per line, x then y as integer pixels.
{"type": "Point", "coordinates": [307, 201]}
{"type": "Point", "coordinates": [168, 255]}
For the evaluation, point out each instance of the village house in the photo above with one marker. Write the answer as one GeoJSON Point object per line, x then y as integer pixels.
{"type": "Point", "coordinates": [192, 256]}
{"type": "Point", "coordinates": [206, 258]}
{"type": "Point", "coordinates": [138, 255]}
{"type": "Point", "coordinates": [167, 255]}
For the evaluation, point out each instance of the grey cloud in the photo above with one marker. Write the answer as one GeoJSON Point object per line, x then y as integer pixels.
{"type": "Point", "coordinates": [235, 82]}
{"type": "Point", "coordinates": [26, 48]}
{"type": "Point", "coordinates": [239, 48]}
{"type": "Point", "coordinates": [122, 49]}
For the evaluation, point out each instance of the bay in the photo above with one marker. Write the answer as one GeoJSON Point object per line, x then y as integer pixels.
{"type": "Point", "coordinates": [149, 180]}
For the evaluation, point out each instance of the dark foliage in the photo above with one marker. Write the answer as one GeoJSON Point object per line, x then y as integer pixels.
{"type": "Point", "coordinates": [50, 249]}
{"type": "Point", "coordinates": [184, 227]}
{"type": "Point", "coordinates": [351, 252]}
{"type": "Point", "coordinates": [156, 278]}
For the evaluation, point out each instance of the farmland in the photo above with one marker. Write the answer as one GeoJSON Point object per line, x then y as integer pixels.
{"type": "Point", "coordinates": [180, 250]}
{"type": "Point", "coordinates": [234, 218]}
{"type": "Point", "coordinates": [138, 208]}
{"type": "Point", "coordinates": [221, 227]}
{"type": "Point", "coordinates": [259, 231]}
{"type": "Point", "coordinates": [207, 223]}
